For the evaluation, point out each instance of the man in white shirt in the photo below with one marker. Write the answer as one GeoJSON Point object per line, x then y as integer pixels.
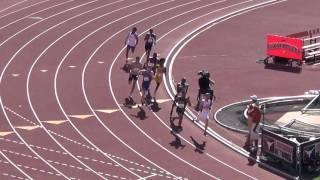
{"type": "Point", "coordinates": [131, 42]}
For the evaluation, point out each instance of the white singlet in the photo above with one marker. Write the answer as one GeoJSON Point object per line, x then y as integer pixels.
{"type": "Point", "coordinates": [204, 113]}
{"type": "Point", "coordinates": [132, 39]}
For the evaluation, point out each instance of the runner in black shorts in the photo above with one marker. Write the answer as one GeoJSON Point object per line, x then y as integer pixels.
{"type": "Point", "coordinates": [180, 102]}
{"type": "Point", "coordinates": [153, 62]}
{"type": "Point", "coordinates": [150, 41]}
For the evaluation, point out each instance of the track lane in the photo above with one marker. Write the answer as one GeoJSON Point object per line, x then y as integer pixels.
{"type": "Point", "coordinates": [102, 152]}
{"type": "Point", "coordinates": [13, 169]}
{"type": "Point", "coordinates": [79, 6]}
{"type": "Point", "coordinates": [6, 7]}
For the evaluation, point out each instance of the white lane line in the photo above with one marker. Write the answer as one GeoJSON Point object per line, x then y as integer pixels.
{"type": "Point", "coordinates": [144, 178]}
{"type": "Point", "coordinates": [79, 43]}
{"type": "Point", "coordinates": [33, 169]}
{"type": "Point", "coordinates": [55, 162]}
{"type": "Point", "coordinates": [22, 30]}
{"type": "Point", "coordinates": [28, 80]}
{"type": "Point", "coordinates": [14, 165]}
{"type": "Point", "coordinates": [36, 18]}
{"type": "Point", "coordinates": [211, 156]}
{"type": "Point", "coordinates": [41, 2]}
{"type": "Point", "coordinates": [217, 136]}
{"type": "Point", "coordinates": [191, 143]}
{"type": "Point", "coordinates": [87, 158]}
{"type": "Point", "coordinates": [109, 78]}
{"type": "Point", "coordinates": [143, 132]}
{"type": "Point", "coordinates": [12, 6]}
{"type": "Point", "coordinates": [247, 9]}
{"type": "Point", "coordinates": [13, 176]}
{"type": "Point", "coordinates": [6, 66]}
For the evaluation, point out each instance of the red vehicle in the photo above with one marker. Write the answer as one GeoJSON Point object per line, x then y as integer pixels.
{"type": "Point", "coordinates": [284, 50]}
{"type": "Point", "coordinates": [293, 49]}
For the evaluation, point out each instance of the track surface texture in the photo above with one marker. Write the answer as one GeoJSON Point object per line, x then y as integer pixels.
{"type": "Point", "coordinates": [62, 87]}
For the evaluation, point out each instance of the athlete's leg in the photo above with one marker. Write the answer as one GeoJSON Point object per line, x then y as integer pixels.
{"type": "Point", "coordinates": [173, 105]}
{"type": "Point", "coordinates": [133, 87]}
{"type": "Point", "coordinates": [206, 126]}
{"type": "Point", "coordinates": [156, 89]}
{"type": "Point", "coordinates": [127, 53]}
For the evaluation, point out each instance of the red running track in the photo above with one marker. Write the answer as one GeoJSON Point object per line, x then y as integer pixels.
{"type": "Point", "coordinates": [62, 90]}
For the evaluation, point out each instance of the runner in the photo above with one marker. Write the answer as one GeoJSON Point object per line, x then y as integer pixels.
{"type": "Point", "coordinates": [205, 83]}
{"type": "Point", "coordinates": [131, 42]}
{"type": "Point", "coordinates": [254, 116]}
{"type": "Point", "coordinates": [180, 102]}
{"type": "Point", "coordinates": [134, 70]}
{"type": "Point", "coordinates": [153, 62]}
{"type": "Point", "coordinates": [205, 86]}
{"type": "Point", "coordinates": [204, 112]}
{"type": "Point", "coordinates": [182, 89]}
{"type": "Point", "coordinates": [150, 41]}
{"type": "Point", "coordinates": [147, 76]}
{"type": "Point", "coordinates": [160, 70]}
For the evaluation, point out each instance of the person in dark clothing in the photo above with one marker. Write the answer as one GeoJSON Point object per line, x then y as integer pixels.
{"type": "Point", "coordinates": [182, 87]}
{"type": "Point", "coordinates": [180, 102]}
{"type": "Point", "coordinates": [205, 84]}
{"type": "Point", "coordinates": [150, 41]}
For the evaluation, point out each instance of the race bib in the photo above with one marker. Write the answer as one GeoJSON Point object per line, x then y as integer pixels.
{"type": "Point", "coordinates": [145, 78]}
{"type": "Point", "coordinates": [181, 105]}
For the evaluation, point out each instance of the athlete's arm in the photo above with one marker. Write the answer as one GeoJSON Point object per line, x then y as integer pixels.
{"type": "Point", "coordinates": [126, 40]}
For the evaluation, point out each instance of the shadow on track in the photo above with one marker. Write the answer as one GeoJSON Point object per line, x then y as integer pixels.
{"type": "Point", "coordinates": [176, 142]}
{"type": "Point", "coordinates": [141, 114]}
{"type": "Point", "coordinates": [199, 147]}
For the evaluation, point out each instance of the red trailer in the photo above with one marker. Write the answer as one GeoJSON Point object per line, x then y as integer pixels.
{"type": "Point", "coordinates": [293, 49]}
{"type": "Point", "coordinates": [284, 50]}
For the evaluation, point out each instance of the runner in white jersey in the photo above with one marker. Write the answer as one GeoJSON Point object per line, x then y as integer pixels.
{"type": "Point", "coordinates": [131, 42]}
{"type": "Point", "coordinates": [205, 107]}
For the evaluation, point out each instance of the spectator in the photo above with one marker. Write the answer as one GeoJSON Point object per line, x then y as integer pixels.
{"type": "Point", "coordinates": [254, 116]}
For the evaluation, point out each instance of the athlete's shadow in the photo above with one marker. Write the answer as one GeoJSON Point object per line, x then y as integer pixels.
{"type": "Point", "coordinates": [176, 142]}
{"type": "Point", "coordinates": [141, 114]}
{"type": "Point", "coordinates": [199, 147]}
{"type": "Point", "coordinates": [155, 106]}
{"type": "Point", "coordinates": [126, 68]}
{"type": "Point", "coordinates": [129, 103]}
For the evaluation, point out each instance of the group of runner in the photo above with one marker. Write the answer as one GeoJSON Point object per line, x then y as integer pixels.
{"type": "Point", "coordinates": [153, 69]}
{"type": "Point", "coordinates": [204, 99]}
